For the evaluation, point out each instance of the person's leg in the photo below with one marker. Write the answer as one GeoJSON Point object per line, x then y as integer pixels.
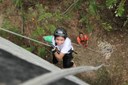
{"type": "Point", "coordinates": [84, 44]}
{"type": "Point", "coordinates": [54, 60]}
{"type": "Point", "coordinates": [67, 61]}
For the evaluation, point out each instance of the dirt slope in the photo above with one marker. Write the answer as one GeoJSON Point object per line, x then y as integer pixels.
{"type": "Point", "coordinates": [110, 48]}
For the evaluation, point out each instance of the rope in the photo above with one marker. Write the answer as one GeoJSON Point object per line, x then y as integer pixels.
{"type": "Point", "coordinates": [87, 48]}
{"type": "Point", "coordinates": [25, 37]}
{"type": "Point", "coordinates": [28, 38]}
{"type": "Point", "coordinates": [39, 41]}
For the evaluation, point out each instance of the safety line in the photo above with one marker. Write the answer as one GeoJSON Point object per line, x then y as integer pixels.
{"type": "Point", "coordinates": [87, 48]}
{"type": "Point", "coordinates": [25, 37]}
{"type": "Point", "coordinates": [39, 41]}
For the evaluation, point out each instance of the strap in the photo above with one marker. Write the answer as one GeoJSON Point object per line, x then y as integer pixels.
{"type": "Point", "coordinates": [71, 51]}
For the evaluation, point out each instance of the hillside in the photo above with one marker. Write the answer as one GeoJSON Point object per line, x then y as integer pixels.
{"type": "Point", "coordinates": [108, 35]}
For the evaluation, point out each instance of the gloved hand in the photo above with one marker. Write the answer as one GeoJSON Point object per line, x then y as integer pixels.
{"type": "Point", "coordinates": [55, 49]}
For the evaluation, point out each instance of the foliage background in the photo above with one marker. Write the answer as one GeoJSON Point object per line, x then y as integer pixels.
{"type": "Point", "coordinates": [101, 20]}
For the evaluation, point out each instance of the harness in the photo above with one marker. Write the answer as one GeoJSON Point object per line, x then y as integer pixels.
{"type": "Point", "coordinates": [70, 51]}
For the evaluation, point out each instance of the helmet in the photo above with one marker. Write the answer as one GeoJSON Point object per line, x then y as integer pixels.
{"type": "Point", "coordinates": [60, 32]}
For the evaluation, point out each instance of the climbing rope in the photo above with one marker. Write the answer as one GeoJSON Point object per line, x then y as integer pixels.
{"type": "Point", "coordinates": [86, 48]}
{"type": "Point", "coordinates": [40, 41]}
{"type": "Point", "coordinates": [25, 37]}
{"type": "Point", "coordinates": [43, 42]}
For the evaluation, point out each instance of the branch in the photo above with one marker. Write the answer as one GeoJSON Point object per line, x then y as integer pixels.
{"type": "Point", "coordinates": [70, 7]}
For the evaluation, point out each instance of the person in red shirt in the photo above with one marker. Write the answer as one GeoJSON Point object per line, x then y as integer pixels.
{"type": "Point", "coordinates": [82, 39]}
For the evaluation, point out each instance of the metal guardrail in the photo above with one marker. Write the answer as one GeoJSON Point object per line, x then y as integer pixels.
{"type": "Point", "coordinates": [53, 76]}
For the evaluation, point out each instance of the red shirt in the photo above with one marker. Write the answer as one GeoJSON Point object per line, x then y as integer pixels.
{"type": "Point", "coordinates": [83, 39]}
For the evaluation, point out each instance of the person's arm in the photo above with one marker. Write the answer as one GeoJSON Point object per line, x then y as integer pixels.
{"type": "Point", "coordinates": [87, 42]}
{"type": "Point", "coordinates": [59, 56]}
{"type": "Point", "coordinates": [78, 41]}
{"type": "Point", "coordinates": [86, 39]}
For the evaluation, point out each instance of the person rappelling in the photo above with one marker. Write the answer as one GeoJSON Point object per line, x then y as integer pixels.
{"type": "Point", "coordinates": [61, 47]}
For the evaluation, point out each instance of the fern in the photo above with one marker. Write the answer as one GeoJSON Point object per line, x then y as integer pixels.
{"type": "Point", "coordinates": [41, 52]}
{"type": "Point", "coordinates": [92, 7]}
{"type": "Point", "coordinates": [110, 3]}
{"type": "Point", "coordinates": [78, 4]}
{"type": "Point", "coordinates": [52, 28]}
{"type": "Point", "coordinates": [120, 10]}
{"type": "Point", "coordinates": [18, 3]}
{"type": "Point", "coordinates": [1, 1]}
{"type": "Point", "coordinates": [44, 16]}
{"type": "Point", "coordinates": [107, 26]}
{"type": "Point", "coordinates": [10, 26]}
{"type": "Point", "coordinates": [38, 32]}
{"type": "Point", "coordinates": [85, 20]}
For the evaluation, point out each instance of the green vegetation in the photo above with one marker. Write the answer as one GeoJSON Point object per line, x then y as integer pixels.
{"type": "Point", "coordinates": [36, 22]}
{"type": "Point", "coordinates": [95, 8]}
{"type": "Point", "coordinates": [107, 26]}
{"type": "Point", "coordinates": [38, 18]}
{"type": "Point", "coordinates": [120, 6]}
{"type": "Point", "coordinates": [1, 1]}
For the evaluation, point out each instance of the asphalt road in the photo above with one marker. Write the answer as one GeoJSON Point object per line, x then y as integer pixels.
{"type": "Point", "coordinates": [14, 71]}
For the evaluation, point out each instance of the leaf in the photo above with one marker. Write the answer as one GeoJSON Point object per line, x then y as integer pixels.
{"type": "Point", "coordinates": [107, 26]}
{"type": "Point", "coordinates": [31, 48]}
{"type": "Point", "coordinates": [51, 28]}
{"type": "Point", "coordinates": [41, 52]}
{"type": "Point", "coordinates": [92, 7]}
{"type": "Point", "coordinates": [44, 16]}
{"type": "Point", "coordinates": [110, 3]}
{"type": "Point", "coordinates": [1, 1]}
{"type": "Point", "coordinates": [38, 32]}
{"type": "Point", "coordinates": [120, 10]}
{"type": "Point", "coordinates": [18, 3]}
